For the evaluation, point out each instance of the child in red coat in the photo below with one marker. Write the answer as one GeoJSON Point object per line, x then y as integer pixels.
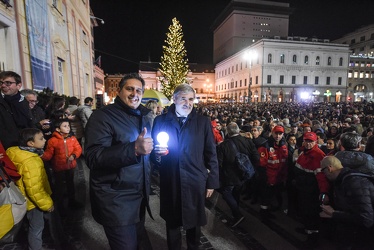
{"type": "Point", "coordinates": [63, 149]}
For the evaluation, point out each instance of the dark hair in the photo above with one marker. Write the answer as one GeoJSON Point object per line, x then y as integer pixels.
{"type": "Point", "coordinates": [350, 140]}
{"type": "Point", "coordinates": [88, 99]}
{"type": "Point", "coordinates": [73, 100]}
{"type": "Point", "coordinates": [26, 135]}
{"type": "Point", "coordinates": [131, 76]}
{"type": "Point", "coordinates": [6, 74]}
{"type": "Point", "coordinates": [57, 123]}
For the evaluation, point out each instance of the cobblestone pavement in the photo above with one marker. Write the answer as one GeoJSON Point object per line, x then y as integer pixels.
{"type": "Point", "coordinates": [253, 233]}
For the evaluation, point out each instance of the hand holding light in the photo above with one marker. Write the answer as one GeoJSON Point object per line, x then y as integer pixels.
{"type": "Point", "coordinates": [162, 148]}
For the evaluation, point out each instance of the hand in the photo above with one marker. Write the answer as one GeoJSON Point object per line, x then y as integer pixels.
{"type": "Point", "coordinates": [71, 158]}
{"type": "Point", "coordinates": [324, 198]}
{"type": "Point", "coordinates": [160, 151]}
{"type": "Point", "coordinates": [209, 192]}
{"type": "Point", "coordinates": [328, 210]}
{"type": "Point", "coordinates": [51, 209]}
{"type": "Point", "coordinates": [143, 146]}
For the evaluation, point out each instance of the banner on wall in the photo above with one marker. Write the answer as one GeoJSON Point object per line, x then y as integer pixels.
{"type": "Point", "coordinates": [39, 41]}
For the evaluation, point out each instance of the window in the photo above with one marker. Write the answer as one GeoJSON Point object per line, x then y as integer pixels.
{"type": "Point", "coordinates": [250, 81]}
{"type": "Point", "coordinates": [317, 60]}
{"type": "Point", "coordinates": [294, 59]}
{"type": "Point", "coordinates": [341, 61]}
{"type": "Point", "coordinates": [240, 83]}
{"type": "Point", "coordinates": [236, 84]}
{"type": "Point", "coordinates": [328, 80]}
{"type": "Point", "coordinates": [256, 79]}
{"type": "Point", "coordinates": [84, 37]}
{"type": "Point", "coordinates": [269, 79]}
{"type": "Point", "coordinates": [245, 82]}
{"type": "Point", "coordinates": [306, 59]}
{"type": "Point", "coordinates": [316, 80]}
{"type": "Point", "coordinates": [293, 79]}
{"type": "Point", "coordinates": [282, 58]}
{"type": "Point", "coordinates": [305, 80]}
{"type": "Point", "coordinates": [60, 74]}
{"type": "Point", "coordinates": [362, 38]}
{"type": "Point", "coordinates": [329, 61]}
{"type": "Point", "coordinates": [281, 79]}
{"type": "Point", "coordinates": [340, 79]}
{"type": "Point", "coordinates": [270, 58]}
{"type": "Point", "coordinates": [353, 41]}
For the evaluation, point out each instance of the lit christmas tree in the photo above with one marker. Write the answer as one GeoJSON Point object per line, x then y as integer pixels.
{"type": "Point", "coordinates": [173, 66]}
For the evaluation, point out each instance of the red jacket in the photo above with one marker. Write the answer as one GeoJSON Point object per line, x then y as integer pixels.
{"type": "Point", "coordinates": [59, 149]}
{"type": "Point", "coordinates": [276, 167]}
{"type": "Point", "coordinates": [9, 166]}
{"type": "Point", "coordinates": [310, 161]}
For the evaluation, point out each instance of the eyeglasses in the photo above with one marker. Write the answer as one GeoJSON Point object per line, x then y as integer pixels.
{"type": "Point", "coordinates": [7, 83]}
{"type": "Point", "coordinates": [34, 101]}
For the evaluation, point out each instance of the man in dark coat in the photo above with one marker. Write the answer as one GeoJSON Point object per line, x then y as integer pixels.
{"type": "Point", "coordinates": [231, 182]}
{"type": "Point", "coordinates": [14, 109]}
{"type": "Point", "coordinates": [189, 172]}
{"type": "Point", "coordinates": [117, 149]}
{"type": "Point", "coordinates": [353, 209]}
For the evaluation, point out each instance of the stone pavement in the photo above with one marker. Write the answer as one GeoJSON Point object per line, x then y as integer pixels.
{"type": "Point", "coordinates": [253, 233]}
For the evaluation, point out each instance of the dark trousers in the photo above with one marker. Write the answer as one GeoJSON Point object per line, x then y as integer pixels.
{"type": "Point", "coordinates": [174, 238]}
{"type": "Point", "coordinates": [129, 237]}
{"type": "Point", "coordinates": [61, 177]}
{"type": "Point", "coordinates": [231, 194]}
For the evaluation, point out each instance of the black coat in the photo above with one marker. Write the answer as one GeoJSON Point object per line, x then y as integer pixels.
{"type": "Point", "coordinates": [188, 170]}
{"type": "Point", "coordinates": [229, 172]}
{"type": "Point", "coordinates": [354, 199]}
{"type": "Point", "coordinates": [119, 180]}
{"type": "Point", "coordinates": [8, 129]}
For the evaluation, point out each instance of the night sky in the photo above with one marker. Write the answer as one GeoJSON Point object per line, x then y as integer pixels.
{"type": "Point", "coordinates": [135, 30]}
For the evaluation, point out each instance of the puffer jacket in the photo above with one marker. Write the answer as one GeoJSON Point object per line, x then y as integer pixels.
{"type": "Point", "coordinates": [357, 160]}
{"type": "Point", "coordinates": [33, 183]}
{"type": "Point", "coordinates": [354, 199]}
{"type": "Point", "coordinates": [59, 149]}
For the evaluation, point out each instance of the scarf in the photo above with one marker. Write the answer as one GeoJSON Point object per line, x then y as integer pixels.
{"type": "Point", "coordinates": [38, 151]}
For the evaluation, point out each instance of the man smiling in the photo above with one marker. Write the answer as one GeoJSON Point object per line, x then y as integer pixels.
{"type": "Point", "coordinates": [117, 149]}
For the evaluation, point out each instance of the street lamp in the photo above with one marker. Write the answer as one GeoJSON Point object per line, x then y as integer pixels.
{"type": "Point", "coordinates": [93, 17]}
{"type": "Point", "coordinates": [250, 56]}
{"type": "Point", "coordinates": [208, 88]}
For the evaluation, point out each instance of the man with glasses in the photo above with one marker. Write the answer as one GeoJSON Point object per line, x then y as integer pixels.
{"type": "Point", "coordinates": [312, 186]}
{"type": "Point", "coordinates": [38, 114]}
{"type": "Point", "coordinates": [15, 113]}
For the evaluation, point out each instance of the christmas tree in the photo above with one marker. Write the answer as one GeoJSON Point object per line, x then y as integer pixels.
{"type": "Point", "coordinates": [173, 66]}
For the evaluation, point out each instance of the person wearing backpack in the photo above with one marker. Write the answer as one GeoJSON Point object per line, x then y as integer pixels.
{"type": "Point", "coordinates": [353, 205]}
{"type": "Point", "coordinates": [230, 175]}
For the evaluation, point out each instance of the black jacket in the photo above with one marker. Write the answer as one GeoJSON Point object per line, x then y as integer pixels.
{"type": "Point", "coordinates": [119, 180]}
{"type": "Point", "coordinates": [354, 199]}
{"type": "Point", "coordinates": [8, 128]}
{"type": "Point", "coordinates": [229, 173]}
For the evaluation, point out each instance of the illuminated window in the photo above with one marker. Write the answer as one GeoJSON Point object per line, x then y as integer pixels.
{"type": "Point", "coordinates": [282, 58]}
{"type": "Point", "coordinates": [355, 74]}
{"type": "Point", "coordinates": [361, 74]}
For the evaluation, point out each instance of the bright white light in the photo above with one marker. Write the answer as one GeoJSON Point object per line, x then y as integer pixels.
{"type": "Point", "coordinates": [163, 139]}
{"type": "Point", "coordinates": [304, 95]}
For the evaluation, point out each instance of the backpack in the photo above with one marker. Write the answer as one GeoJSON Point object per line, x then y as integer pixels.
{"type": "Point", "coordinates": [244, 164]}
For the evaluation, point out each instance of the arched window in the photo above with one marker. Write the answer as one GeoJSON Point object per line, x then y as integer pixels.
{"type": "Point", "coordinates": [341, 61]}
{"type": "Point", "coordinates": [294, 59]}
{"type": "Point", "coordinates": [329, 61]}
{"type": "Point", "coordinates": [282, 58]}
{"type": "Point", "coordinates": [270, 58]}
{"type": "Point", "coordinates": [317, 60]}
{"type": "Point", "coordinates": [306, 59]}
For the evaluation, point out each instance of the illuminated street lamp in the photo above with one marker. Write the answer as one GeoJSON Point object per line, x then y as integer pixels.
{"type": "Point", "coordinates": [250, 56]}
{"type": "Point", "coordinates": [338, 95]}
{"type": "Point", "coordinates": [207, 88]}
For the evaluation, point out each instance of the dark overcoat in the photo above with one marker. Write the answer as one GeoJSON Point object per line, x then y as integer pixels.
{"type": "Point", "coordinates": [188, 170]}
{"type": "Point", "coordinates": [119, 180]}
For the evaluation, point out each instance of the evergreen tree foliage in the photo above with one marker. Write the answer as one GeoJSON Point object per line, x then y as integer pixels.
{"type": "Point", "coordinates": [173, 66]}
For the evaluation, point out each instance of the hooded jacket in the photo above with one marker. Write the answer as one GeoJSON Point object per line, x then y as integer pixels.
{"type": "Point", "coordinates": [357, 160]}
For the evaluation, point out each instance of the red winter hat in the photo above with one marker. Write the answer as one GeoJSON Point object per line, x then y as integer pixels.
{"type": "Point", "coordinates": [278, 128]}
{"type": "Point", "coordinates": [310, 136]}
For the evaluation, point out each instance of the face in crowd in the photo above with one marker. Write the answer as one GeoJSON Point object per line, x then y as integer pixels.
{"type": "Point", "coordinates": [9, 86]}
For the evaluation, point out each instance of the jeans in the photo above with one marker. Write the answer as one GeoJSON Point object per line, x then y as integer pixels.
{"type": "Point", "coordinates": [129, 237]}
{"type": "Point", "coordinates": [36, 225]}
{"type": "Point", "coordinates": [231, 194]}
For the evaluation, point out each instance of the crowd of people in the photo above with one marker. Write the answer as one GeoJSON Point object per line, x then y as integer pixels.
{"type": "Point", "coordinates": [40, 142]}
{"type": "Point", "coordinates": [313, 161]}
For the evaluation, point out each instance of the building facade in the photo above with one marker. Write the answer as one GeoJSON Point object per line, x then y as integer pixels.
{"type": "Point", "coordinates": [244, 22]}
{"type": "Point", "coordinates": [361, 63]}
{"type": "Point", "coordinates": [279, 70]}
{"type": "Point", "coordinates": [49, 43]}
